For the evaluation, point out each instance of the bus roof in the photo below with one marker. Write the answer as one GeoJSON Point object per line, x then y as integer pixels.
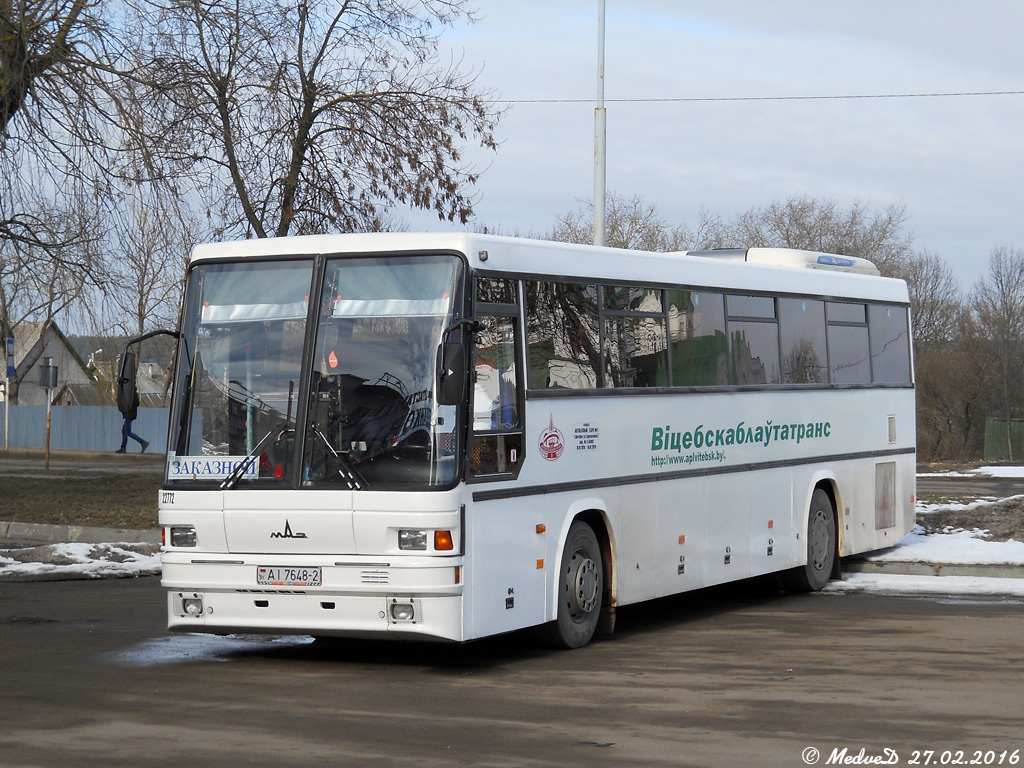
{"type": "Point", "coordinates": [770, 269]}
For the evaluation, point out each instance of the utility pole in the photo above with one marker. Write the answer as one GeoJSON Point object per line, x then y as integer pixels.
{"type": "Point", "coordinates": [600, 134]}
{"type": "Point", "coordinates": [48, 381]}
{"type": "Point", "coordinates": [7, 393]}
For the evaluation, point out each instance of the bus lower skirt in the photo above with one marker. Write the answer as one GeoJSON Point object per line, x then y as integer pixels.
{"type": "Point", "coordinates": [318, 614]}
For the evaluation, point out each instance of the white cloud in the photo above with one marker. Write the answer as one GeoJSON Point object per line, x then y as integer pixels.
{"type": "Point", "coordinates": [955, 162]}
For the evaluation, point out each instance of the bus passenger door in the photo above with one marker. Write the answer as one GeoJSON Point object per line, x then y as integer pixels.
{"type": "Point", "coordinates": [508, 551]}
{"type": "Point", "coordinates": [496, 450]}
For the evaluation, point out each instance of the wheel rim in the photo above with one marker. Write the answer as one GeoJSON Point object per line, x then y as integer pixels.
{"type": "Point", "coordinates": [819, 541]}
{"type": "Point", "coordinates": [584, 583]}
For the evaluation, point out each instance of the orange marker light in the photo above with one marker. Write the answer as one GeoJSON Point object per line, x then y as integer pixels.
{"type": "Point", "coordinates": [541, 528]}
{"type": "Point", "coordinates": [540, 563]}
{"type": "Point", "coordinates": [443, 541]}
{"type": "Point", "coordinates": [682, 539]}
{"type": "Point", "coordinates": [771, 523]}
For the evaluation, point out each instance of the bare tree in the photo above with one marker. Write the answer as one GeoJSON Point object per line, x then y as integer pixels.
{"type": "Point", "coordinates": [632, 222]}
{"type": "Point", "coordinates": [147, 246]}
{"type": "Point", "coordinates": [38, 282]}
{"type": "Point", "coordinates": [954, 385]}
{"type": "Point", "coordinates": [63, 125]}
{"type": "Point", "coordinates": [316, 115]}
{"type": "Point", "coordinates": [999, 309]}
{"type": "Point", "coordinates": [61, 115]}
{"type": "Point", "coordinates": [935, 300]}
{"type": "Point", "coordinates": [821, 225]}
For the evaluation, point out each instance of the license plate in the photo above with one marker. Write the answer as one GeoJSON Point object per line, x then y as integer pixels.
{"type": "Point", "coordinates": [287, 576]}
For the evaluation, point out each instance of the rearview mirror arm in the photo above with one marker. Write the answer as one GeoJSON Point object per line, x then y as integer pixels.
{"type": "Point", "coordinates": [139, 340]}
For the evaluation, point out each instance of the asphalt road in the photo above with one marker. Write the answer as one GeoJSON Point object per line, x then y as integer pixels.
{"type": "Point", "coordinates": [998, 487]}
{"type": "Point", "coordinates": [729, 677]}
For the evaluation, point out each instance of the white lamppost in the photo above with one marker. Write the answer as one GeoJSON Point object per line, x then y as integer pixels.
{"type": "Point", "coordinates": [600, 134]}
{"type": "Point", "coordinates": [48, 381]}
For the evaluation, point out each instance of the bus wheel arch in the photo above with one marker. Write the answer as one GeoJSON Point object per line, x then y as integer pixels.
{"type": "Point", "coordinates": [830, 488]}
{"type": "Point", "coordinates": [821, 539]}
{"type": "Point", "coordinates": [583, 598]}
{"type": "Point", "coordinates": [598, 522]}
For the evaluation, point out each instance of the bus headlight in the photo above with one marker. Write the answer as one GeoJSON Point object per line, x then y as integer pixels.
{"type": "Point", "coordinates": [412, 540]}
{"type": "Point", "coordinates": [190, 604]}
{"type": "Point", "coordinates": [402, 610]}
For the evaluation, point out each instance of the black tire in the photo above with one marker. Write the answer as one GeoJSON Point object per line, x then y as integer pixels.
{"type": "Point", "coordinates": [579, 590]}
{"type": "Point", "coordinates": [820, 538]}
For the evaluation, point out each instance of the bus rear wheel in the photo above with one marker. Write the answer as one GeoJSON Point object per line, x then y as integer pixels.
{"type": "Point", "coordinates": [579, 589]}
{"type": "Point", "coordinates": [821, 547]}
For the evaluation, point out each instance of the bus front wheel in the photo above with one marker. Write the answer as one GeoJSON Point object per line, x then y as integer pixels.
{"type": "Point", "coordinates": [579, 589]}
{"type": "Point", "coordinates": [821, 547]}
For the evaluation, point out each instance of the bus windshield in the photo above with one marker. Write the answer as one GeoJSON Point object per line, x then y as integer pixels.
{"type": "Point", "coordinates": [356, 375]}
{"type": "Point", "coordinates": [373, 419]}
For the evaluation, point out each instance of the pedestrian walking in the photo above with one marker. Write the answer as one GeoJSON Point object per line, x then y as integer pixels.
{"type": "Point", "coordinates": [126, 428]}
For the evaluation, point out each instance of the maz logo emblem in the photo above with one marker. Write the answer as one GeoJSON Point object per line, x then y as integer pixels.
{"type": "Point", "coordinates": [287, 533]}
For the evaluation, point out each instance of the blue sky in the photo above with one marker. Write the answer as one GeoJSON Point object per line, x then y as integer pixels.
{"type": "Point", "coordinates": [955, 162]}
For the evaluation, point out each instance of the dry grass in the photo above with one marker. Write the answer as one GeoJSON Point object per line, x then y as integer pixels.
{"type": "Point", "coordinates": [1003, 520]}
{"type": "Point", "coordinates": [105, 501]}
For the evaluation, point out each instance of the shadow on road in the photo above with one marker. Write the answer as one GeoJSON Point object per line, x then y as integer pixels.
{"type": "Point", "coordinates": [632, 622]}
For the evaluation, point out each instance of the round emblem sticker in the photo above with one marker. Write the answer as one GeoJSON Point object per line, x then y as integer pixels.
{"type": "Point", "coordinates": [551, 443]}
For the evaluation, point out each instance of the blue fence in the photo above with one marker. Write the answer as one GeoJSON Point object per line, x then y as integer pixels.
{"type": "Point", "coordinates": [82, 427]}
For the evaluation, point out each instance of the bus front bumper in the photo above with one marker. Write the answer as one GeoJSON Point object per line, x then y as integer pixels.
{"type": "Point", "coordinates": [422, 599]}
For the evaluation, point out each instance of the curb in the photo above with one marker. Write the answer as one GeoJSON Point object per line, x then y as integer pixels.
{"type": "Point", "coordinates": [919, 568]}
{"type": "Point", "coordinates": [54, 534]}
{"type": "Point", "coordinates": [29, 579]}
{"type": "Point", "coordinates": [153, 456]}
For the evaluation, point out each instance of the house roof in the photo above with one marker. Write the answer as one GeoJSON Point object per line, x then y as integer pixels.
{"type": "Point", "coordinates": [27, 334]}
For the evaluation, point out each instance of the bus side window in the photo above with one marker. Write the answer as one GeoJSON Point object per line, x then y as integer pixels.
{"type": "Point", "coordinates": [848, 346]}
{"type": "Point", "coordinates": [497, 432]}
{"type": "Point", "coordinates": [494, 390]}
{"type": "Point", "coordinates": [804, 346]}
{"type": "Point", "coordinates": [696, 324]}
{"type": "Point", "coordinates": [563, 332]}
{"type": "Point", "coordinates": [890, 344]}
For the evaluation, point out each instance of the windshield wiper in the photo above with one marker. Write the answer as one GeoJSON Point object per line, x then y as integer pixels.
{"type": "Point", "coordinates": [243, 466]}
{"type": "Point", "coordinates": [345, 470]}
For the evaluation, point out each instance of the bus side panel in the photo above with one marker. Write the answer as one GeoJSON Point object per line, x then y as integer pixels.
{"type": "Point", "coordinates": [862, 494]}
{"type": "Point", "coordinates": [772, 516]}
{"type": "Point", "coordinates": [635, 517]}
{"type": "Point", "coordinates": [507, 565]}
{"type": "Point", "coordinates": [906, 484]}
{"type": "Point", "coordinates": [727, 511]}
{"type": "Point", "coordinates": [858, 483]}
{"type": "Point", "coordinates": [682, 532]}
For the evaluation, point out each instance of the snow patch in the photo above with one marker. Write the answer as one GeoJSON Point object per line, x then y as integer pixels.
{"type": "Point", "coordinates": [894, 584]}
{"type": "Point", "coordinates": [1004, 472]}
{"type": "Point", "coordinates": [80, 561]}
{"type": "Point", "coordinates": [957, 548]}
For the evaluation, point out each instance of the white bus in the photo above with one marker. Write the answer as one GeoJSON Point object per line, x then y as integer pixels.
{"type": "Point", "coordinates": [449, 436]}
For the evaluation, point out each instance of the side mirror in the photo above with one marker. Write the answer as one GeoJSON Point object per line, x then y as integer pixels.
{"type": "Point", "coordinates": [451, 373]}
{"type": "Point", "coordinates": [126, 385]}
